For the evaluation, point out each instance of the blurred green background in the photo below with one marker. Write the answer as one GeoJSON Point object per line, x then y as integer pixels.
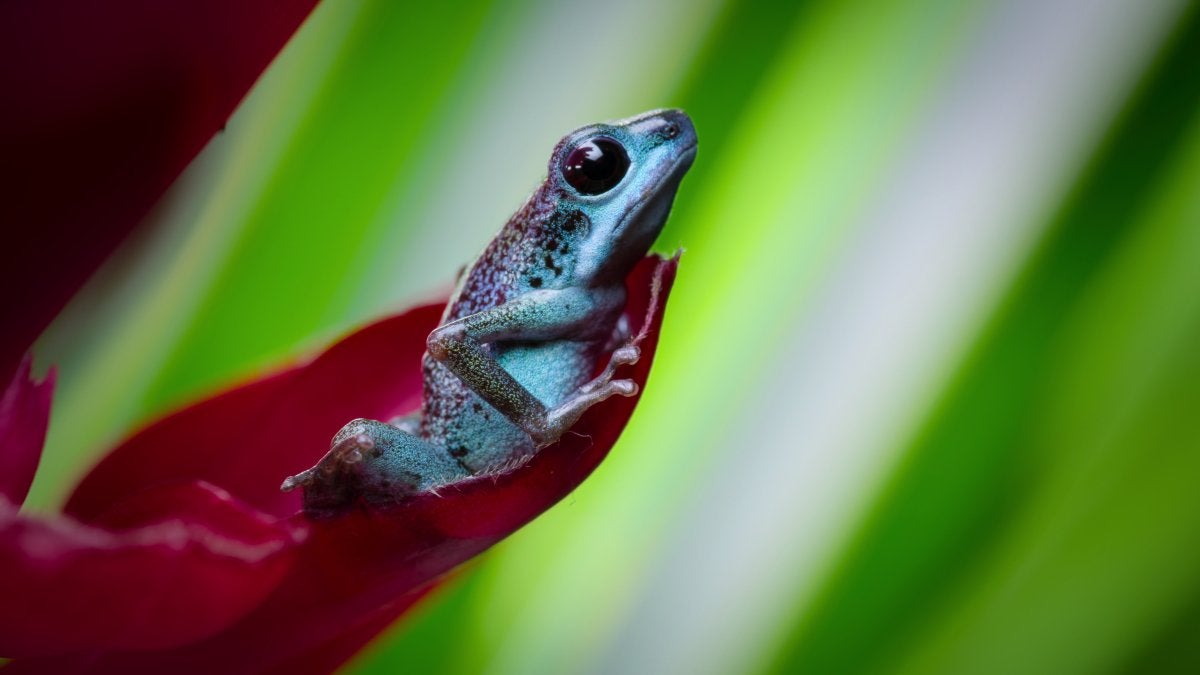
{"type": "Point", "coordinates": [928, 394]}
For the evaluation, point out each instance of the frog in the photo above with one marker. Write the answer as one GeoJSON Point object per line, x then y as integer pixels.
{"type": "Point", "coordinates": [513, 363]}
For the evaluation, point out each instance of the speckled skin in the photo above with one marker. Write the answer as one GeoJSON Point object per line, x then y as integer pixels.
{"type": "Point", "coordinates": [510, 368]}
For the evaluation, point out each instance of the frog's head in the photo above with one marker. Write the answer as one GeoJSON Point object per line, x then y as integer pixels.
{"type": "Point", "coordinates": [617, 181]}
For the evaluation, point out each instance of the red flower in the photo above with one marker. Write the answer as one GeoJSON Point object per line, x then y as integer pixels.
{"type": "Point", "coordinates": [178, 552]}
{"type": "Point", "coordinates": [105, 103]}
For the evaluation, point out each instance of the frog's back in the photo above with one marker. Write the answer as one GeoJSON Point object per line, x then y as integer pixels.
{"type": "Point", "coordinates": [502, 271]}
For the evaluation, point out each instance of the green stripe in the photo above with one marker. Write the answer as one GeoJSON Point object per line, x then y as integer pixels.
{"type": "Point", "coordinates": [301, 245]}
{"type": "Point", "coordinates": [967, 472]}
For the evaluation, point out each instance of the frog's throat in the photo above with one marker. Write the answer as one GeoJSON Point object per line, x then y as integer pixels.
{"type": "Point", "coordinates": [669, 182]}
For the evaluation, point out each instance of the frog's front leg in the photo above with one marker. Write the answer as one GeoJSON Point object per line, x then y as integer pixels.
{"type": "Point", "coordinates": [377, 461]}
{"type": "Point", "coordinates": [535, 316]}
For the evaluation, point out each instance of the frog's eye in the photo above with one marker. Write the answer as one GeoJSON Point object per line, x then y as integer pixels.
{"type": "Point", "coordinates": [595, 166]}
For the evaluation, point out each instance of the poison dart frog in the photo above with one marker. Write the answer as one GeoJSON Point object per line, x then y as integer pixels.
{"type": "Point", "coordinates": [510, 368]}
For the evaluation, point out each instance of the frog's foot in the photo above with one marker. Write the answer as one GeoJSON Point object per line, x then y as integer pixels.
{"type": "Point", "coordinates": [626, 355]}
{"type": "Point", "coordinates": [563, 417]}
{"type": "Point", "coordinates": [376, 462]}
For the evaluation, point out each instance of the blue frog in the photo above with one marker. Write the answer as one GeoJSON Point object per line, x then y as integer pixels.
{"type": "Point", "coordinates": [509, 370]}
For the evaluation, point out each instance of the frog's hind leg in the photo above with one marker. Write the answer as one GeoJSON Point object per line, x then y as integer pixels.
{"type": "Point", "coordinates": [376, 462]}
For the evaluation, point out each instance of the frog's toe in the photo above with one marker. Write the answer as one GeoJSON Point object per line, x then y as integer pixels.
{"type": "Point", "coordinates": [603, 387]}
{"type": "Point", "coordinates": [626, 355]}
{"type": "Point", "coordinates": [624, 387]}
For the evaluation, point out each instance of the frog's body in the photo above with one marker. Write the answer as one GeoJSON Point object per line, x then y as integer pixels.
{"type": "Point", "coordinates": [533, 248]}
{"type": "Point", "coordinates": [510, 368]}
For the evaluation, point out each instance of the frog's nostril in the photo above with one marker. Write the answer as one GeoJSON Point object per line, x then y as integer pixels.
{"type": "Point", "coordinates": [670, 130]}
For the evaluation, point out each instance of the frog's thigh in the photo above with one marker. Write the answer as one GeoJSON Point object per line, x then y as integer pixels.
{"type": "Point", "coordinates": [395, 460]}
{"type": "Point", "coordinates": [377, 462]}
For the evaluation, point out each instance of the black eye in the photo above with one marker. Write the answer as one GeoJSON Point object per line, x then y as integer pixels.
{"type": "Point", "coordinates": [595, 166]}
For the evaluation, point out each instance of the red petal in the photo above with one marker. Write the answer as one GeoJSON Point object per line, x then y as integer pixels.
{"type": "Point", "coordinates": [24, 414]}
{"type": "Point", "coordinates": [357, 572]}
{"type": "Point", "coordinates": [164, 567]}
{"type": "Point", "coordinates": [104, 105]}
{"type": "Point", "coordinates": [250, 438]}
{"type": "Point", "coordinates": [325, 657]}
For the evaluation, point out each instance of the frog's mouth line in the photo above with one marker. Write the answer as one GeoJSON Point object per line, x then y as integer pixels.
{"type": "Point", "coordinates": [670, 177]}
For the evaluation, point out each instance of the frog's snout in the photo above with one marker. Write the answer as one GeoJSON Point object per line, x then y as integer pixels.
{"type": "Point", "coordinates": [669, 125]}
